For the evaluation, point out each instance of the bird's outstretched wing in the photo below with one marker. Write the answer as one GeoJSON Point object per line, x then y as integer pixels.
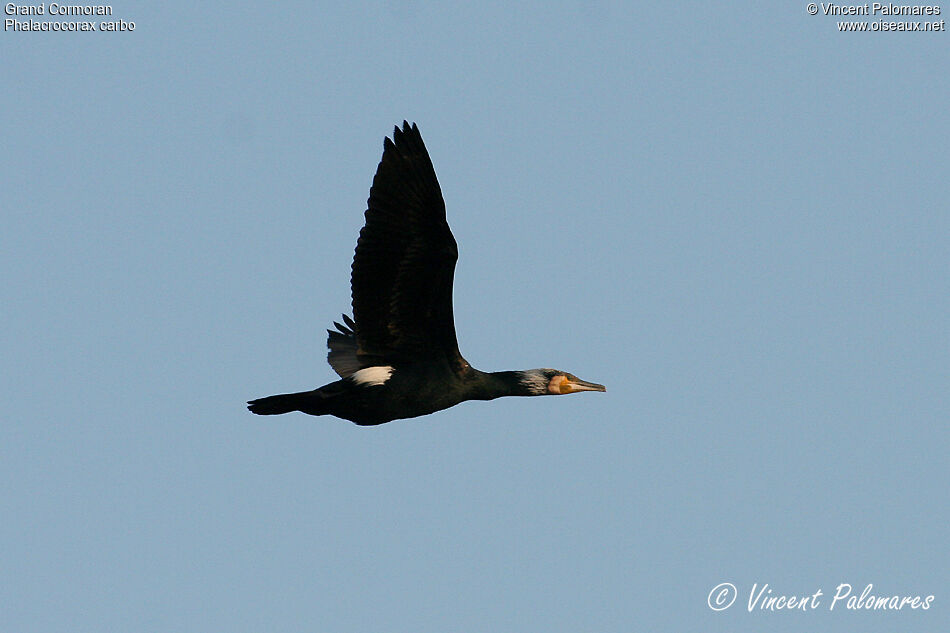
{"type": "Point", "coordinates": [403, 268]}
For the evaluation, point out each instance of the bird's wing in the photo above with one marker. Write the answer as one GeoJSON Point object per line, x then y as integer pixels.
{"type": "Point", "coordinates": [404, 264]}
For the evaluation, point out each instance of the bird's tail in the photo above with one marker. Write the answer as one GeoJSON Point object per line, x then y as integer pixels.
{"type": "Point", "coordinates": [283, 403]}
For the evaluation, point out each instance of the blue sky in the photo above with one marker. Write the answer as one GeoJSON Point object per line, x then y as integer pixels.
{"type": "Point", "coordinates": [734, 216]}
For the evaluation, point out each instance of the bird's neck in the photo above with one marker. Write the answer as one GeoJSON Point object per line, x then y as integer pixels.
{"type": "Point", "coordinates": [497, 384]}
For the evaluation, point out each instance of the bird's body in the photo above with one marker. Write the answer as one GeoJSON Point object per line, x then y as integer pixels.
{"type": "Point", "coordinates": [398, 357]}
{"type": "Point", "coordinates": [411, 391]}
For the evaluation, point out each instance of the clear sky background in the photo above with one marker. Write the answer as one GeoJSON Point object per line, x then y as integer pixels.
{"type": "Point", "coordinates": [731, 214]}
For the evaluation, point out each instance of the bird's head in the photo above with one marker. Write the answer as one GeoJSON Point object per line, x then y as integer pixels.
{"type": "Point", "coordinates": [554, 382]}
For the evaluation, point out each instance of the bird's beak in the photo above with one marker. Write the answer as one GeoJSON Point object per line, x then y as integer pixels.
{"type": "Point", "coordinates": [582, 385]}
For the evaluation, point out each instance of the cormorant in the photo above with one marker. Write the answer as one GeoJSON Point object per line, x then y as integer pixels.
{"type": "Point", "coordinates": [398, 356]}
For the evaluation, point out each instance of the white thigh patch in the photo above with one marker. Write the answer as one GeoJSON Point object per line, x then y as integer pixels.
{"type": "Point", "coordinates": [372, 375]}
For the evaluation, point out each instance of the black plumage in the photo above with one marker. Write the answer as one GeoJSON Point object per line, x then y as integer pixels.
{"type": "Point", "coordinates": [398, 356]}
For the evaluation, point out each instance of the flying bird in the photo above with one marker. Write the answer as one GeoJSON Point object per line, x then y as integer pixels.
{"type": "Point", "coordinates": [398, 356]}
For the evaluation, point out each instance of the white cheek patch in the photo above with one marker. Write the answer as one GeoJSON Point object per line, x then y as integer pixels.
{"type": "Point", "coordinates": [369, 376]}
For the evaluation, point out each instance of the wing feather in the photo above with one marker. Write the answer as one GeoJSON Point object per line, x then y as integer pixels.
{"type": "Point", "coordinates": [403, 267]}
